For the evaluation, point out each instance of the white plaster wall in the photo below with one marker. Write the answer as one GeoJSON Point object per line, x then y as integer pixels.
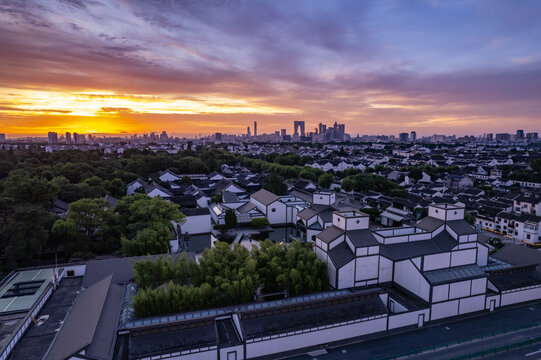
{"type": "Point", "coordinates": [459, 289]}
{"type": "Point", "coordinates": [323, 336]}
{"type": "Point", "coordinates": [385, 269]}
{"type": "Point", "coordinates": [482, 255]}
{"type": "Point", "coordinates": [521, 296]}
{"type": "Point", "coordinates": [463, 257]}
{"type": "Point", "coordinates": [279, 216]}
{"type": "Point", "coordinates": [406, 275]}
{"type": "Point", "coordinates": [436, 261]}
{"type": "Point", "coordinates": [363, 251]}
{"type": "Point", "coordinates": [199, 224]}
{"type": "Point", "coordinates": [352, 224]}
{"type": "Point", "coordinates": [367, 268]}
{"type": "Point", "coordinates": [440, 293]}
{"type": "Point", "coordinates": [478, 286]}
{"type": "Point", "coordinates": [444, 309]}
{"type": "Point", "coordinates": [346, 275]}
{"type": "Point", "coordinates": [79, 270]}
{"type": "Point", "coordinates": [406, 319]}
{"type": "Point", "coordinates": [238, 349]}
{"type": "Point", "coordinates": [471, 304]}
{"type": "Point", "coordinates": [331, 273]}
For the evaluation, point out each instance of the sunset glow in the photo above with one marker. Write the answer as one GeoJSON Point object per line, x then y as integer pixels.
{"type": "Point", "coordinates": [200, 67]}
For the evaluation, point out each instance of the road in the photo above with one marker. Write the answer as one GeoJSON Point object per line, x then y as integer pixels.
{"type": "Point", "coordinates": [432, 336]}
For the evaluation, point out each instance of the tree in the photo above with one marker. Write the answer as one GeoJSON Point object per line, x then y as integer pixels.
{"type": "Point", "coordinates": [230, 219]}
{"type": "Point", "coordinates": [88, 214]}
{"type": "Point", "coordinates": [275, 184]}
{"type": "Point", "coordinates": [260, 222]}
{"type": "Point", "coordinates": [469, 217]}
{"type": "Point", "coordinates": [325, 180]}
{"type": "Point", "coordinates": [150, 240]}
{"type": "Point", "coordinates": [348, 184]}
{"type": "Point", "coordinates": [20, 186]}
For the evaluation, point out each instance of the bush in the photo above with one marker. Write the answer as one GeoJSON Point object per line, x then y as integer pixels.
{"type": "Point", "coordinates": [260, 222]}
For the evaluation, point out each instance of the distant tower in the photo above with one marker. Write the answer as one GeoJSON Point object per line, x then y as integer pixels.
{"type": "Point", "coordinates": [52, 138]}
{"type": "Point", "coordinates": [255, 128]}
{"type": "Point", "coordinates": [248, 132]}
{"type": "Point", "coordinates": [68, 138]}
{"type": "Point", "coordinates": [296, 126]}
{"type": "Point", "coordinates": [403, 137]}
{"type": "Point", "coordinates": [413, 136]}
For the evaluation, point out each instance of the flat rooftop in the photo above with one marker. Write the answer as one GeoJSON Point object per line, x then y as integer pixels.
{"type": "Point", "coordinates": [22, 290]}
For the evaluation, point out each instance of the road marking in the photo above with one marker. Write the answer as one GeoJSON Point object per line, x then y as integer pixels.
{"type": "Point", "coordinates": [447, 328]}
{"type": "Point", "coordinates": [533, 353]}
{"type": "Point", "coordinates": [344, 351]}
{"type": "Point", "coordinates": [317, 352]}
{"type": "Point", "coordinates": [531, 309]}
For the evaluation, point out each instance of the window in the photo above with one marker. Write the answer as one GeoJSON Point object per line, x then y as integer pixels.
{"type": "Point", "coordinates": [358, 221]}
{"type": "Point", "coordinates": [25, 288]}
{"type": "Point", "coordinates": [70, 273]}
{"type": "Point", "coordinates": [273, 209]}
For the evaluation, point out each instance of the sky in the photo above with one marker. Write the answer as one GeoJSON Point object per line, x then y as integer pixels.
{"type": "Point", "coordinates": [203, 66]}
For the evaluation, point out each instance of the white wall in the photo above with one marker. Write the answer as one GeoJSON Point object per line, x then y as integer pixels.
{"type": "Point", "coordinates": [520, 296]}
{"type": "Point", "coordinates": [323, 336]}
{"type": "Point", "coordinates": [407, 275]}
{"type": "Point", "coordinates": [471, 304]}
{"type": "Point", "coordinates": [437, 261]}
{"type": "Point", "coordinates": [440, 293]}
{"type": "Point", "coordinates": [203, 355]}
{"type": "Point", "coordinates": [280, 215]}
{"type": "Point", "coordinates": [459, 289]}
{"type": "Point", "coordinates": [408, 318]}
{"type": "Point", "coordinates": [385, 269]}
{"type": "Point", "coordinates": [444, 309]}
{"type": "Point", "coordinates": [367, 267]}
{"type": "Point", "coordinates": [199, 224]}
{"type": "Point", "coordinates": [346, 276]}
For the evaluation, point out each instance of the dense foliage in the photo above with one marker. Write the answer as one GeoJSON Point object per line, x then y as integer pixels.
{"type": "Point", "coordinates": [368, 182]}
{"type": "Point", "coordinates": [225, 276]}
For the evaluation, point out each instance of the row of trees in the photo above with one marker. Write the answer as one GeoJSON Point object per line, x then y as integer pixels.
{"type": "Point", "coordinates": [370, 182]}
{"type": "Point", "coordinates": [225, 276]}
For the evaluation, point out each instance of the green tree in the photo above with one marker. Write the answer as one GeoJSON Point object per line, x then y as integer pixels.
{"type": "Point", "coordinates": [88, 214]}
{"type": "Point", "coordinates": [325, 180]}
{"type": "Point", "coordinates": [230, 219]}
{"type": "Point", "coordinates": [275, 184]}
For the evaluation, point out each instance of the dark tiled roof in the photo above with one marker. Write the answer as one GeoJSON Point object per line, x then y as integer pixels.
{"type": "Point", "coordinates": [515, 278]}
{"type": "Point", "coordinates": [446, 275]}
{"type": "Point", "coordinates": [441, 242]}
{"type": "Point", "coordinates": [195, 212]}
{"type": "Point", "coordinates": [307, 213]}
{"type": "Point", "coordinates": [265, 197]}
{"type": "Point", "coordinates": [430, 224]}
{"type": "Point", "coordinates": [363, 237]}
{"type": "Point", "coordinates": [341, 255]}
{"type": "Point", "coordinates": [518, 255]}
{"type": "Point", "coordinates": [329, 234]}
{"type": "Point", "coordinates": [461, 227]}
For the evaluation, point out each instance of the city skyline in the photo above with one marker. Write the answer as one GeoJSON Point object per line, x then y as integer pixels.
{"type": "Point", "coordinates": [204, 67]}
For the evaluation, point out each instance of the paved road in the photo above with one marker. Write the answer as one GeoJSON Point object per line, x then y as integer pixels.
{"type": "Point", "coordinates": [435, 335]}
{"type": "Point", "coordinates": [485, 344]}
{"type": "Point", "coordinates": [532, 352]}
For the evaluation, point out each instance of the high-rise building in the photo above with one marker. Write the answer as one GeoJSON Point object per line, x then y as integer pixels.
{"type": "Point", "coordinates": [248, 132]}
{"type": "Point", "coordinates": [163, 136]}
{"type": "Point", "coordinates": [520, 134]}
{"type": "Point", "coordinates": [531, 137]}
{"type": "Point", "coordinates": [413, 136]}
{"type": "Point", "coordinates": [2, 137]}
{"type": "Point", "coordinates": [296, 126]}
{"type": "Point", "coordinates": [52, 138]}
{"type": "Point", "coordinates": [218, 136]}
{"type": "Point", "coordinates": [78, 139]}
{"type": "Point", "coordinates": [503, 137]}
{"type": "Point", "coordinates": [490, 137]}
{"type": "Point", "coordinates": [68, 138]}
{"type": "Point", "coordinates": [255, 128]}
{"type": "Point", "coordinates": [283, 132]}
{"type": "Point", "coordinates": [403, 136]}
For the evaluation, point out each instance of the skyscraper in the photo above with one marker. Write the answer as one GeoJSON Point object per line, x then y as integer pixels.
{"type": "Point", "coordinates": [520, 134]}
{"type": "Point", "coordinates": [2, 137]}
{"type": "Point", "coordinates": [68, 138]}
{"type": "Point", "coordinates": [413, 136]}
{"type": "Point", "coordinates": [255, 128]}
{"type": "Point", "coordinates": [403, 136]}
{"type": "Point", "coordinates": [52, 138]}
{"type": "Point", "coordinates": [248, 132]}
{"type": "Point", "coordinates": [296, 126]}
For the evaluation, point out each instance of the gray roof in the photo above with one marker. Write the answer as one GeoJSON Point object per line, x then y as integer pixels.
{"type": "Point", "coordinates": [230, 197]}
{"type": "Point", "coordinates": [440, 243]}
{"type": "Point", "coordinates": [78, 329]}
{"type": "Point", "coordinates": [102, 345]}
{"type": "Point", "coordinates": [330, 234]}
{"type": "Point", "coordinates": [307, 213]}
{"type": "Point", "coordinates": [121, 269]}
{"type": "Point", "coordinates": [430, 224]}
{"type": "Point", "coordinates": [461, 227]}
{"type": "Point", "coordinates": [265, 197]}
{"type": "Point", "coordinates": [246, 207]}
{"type": "Point", "coordinates": [452, 274]}
{"type": "Point", "coordinates": [518, 255]}
{"type": "Point", "coordinates": [195, 212]}
{"type": "Point", "coordinates": [361, 238]}
{"type": "Point", "coordinates": [341, 254]}
{"type": "Point", "coordinates": [515, 277]}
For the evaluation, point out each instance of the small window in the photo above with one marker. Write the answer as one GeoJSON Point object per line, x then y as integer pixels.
{"type": "Point", "coordinates": [273, 209]}
{"type": "Point", "coordinates": [70, 273]}
{"type": "Point", "coordinates": [358, 221]}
